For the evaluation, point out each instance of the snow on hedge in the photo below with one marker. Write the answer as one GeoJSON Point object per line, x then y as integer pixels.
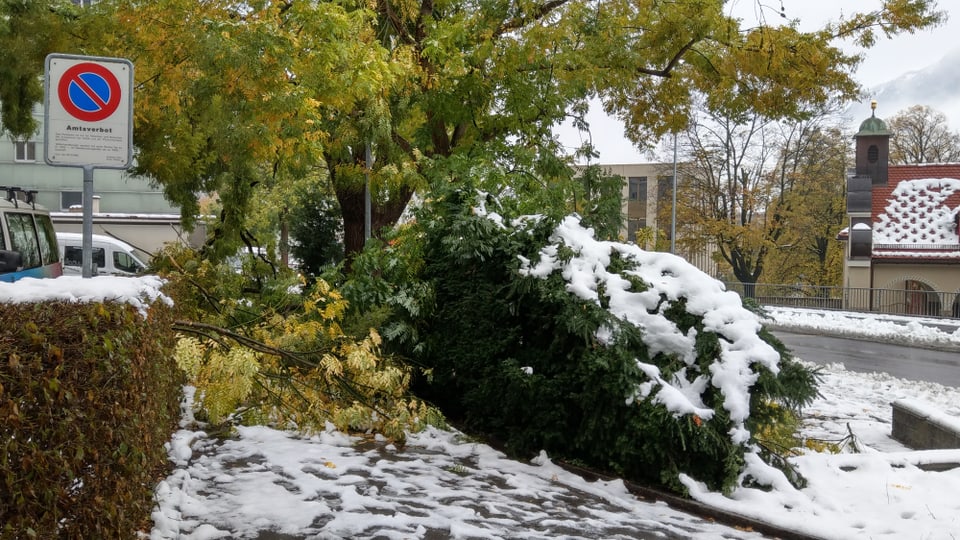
{"type": "Point", "coordinates": [140, 292]}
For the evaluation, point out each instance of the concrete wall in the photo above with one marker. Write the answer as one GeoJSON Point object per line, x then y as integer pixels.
{"type": "Point", "coordinates": [631, 209]}
{"type": "Point", "coordinates": [651, 209]}
{"type": "Point", "coordinates": [147, 233]}
{"type": "Point", "coordinates": [922, 428]}
{"type": "Point", "coordinates": [940, 277]}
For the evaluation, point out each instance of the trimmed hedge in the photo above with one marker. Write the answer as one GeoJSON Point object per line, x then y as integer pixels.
{"type": "Point", "coordinates": [89, 395]}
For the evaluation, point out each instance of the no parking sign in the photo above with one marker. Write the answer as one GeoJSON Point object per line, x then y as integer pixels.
{"type": "Point", "coordinates": [88, 112]}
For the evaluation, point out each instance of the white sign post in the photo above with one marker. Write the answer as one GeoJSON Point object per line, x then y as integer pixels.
{"type": "Point", "coordinates": [88, 123]}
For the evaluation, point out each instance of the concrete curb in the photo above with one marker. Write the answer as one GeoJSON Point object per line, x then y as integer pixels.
{"type": "Point", "coordinates": [690, 506]}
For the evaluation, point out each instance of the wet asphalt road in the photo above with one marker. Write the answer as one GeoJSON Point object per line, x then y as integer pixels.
{"type": "Point", "coordinates": [902, 361]}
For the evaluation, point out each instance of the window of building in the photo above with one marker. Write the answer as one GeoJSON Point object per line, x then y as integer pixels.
{"type": "Point", "coordinates": [873, 153]}
{"type": "Point", "coordinates": [634, 225]}
{"type": "Point", "coordinates": [70, 198]}
{"type": "Point", "coordinates": [638, 188]}
{"type": "Point", "coordinates": [25, 151]}
{"type": "Point", "coordinates": [665, 188]}
{"type": "Point", "coordinates": [861, 238]}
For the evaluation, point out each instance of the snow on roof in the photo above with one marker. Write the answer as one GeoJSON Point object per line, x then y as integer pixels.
{"type": "Point", "coordinates": [918, 214]}
{"type": "Point", "coordinates": [120, 215]}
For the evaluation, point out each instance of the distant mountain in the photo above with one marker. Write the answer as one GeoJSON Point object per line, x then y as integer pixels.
{"type": "Point", "coordinates": [937, 86]}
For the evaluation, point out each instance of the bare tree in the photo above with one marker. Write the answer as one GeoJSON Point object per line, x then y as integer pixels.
{"type": "Point", "coordinates": [767, 196]}
{"type": "Point", "coordinates": [921, 135]}
{"type": "Point", "coordinates": [810, 183]}
{"type": "Point", "coordinates": [726, 195]}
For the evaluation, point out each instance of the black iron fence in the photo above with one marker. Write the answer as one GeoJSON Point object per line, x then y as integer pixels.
{"type": "Point", "coordinates": [889, 301]}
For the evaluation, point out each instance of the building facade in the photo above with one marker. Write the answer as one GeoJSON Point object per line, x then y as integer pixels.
{"type": "Point", "coordinates": [647, 197]}
{"type": "Point", "coordinates": [904, 230]}
{"type": "Point", "coordinates": [60, 189]}
{"type": "Point", "coordinates": [647, 207]}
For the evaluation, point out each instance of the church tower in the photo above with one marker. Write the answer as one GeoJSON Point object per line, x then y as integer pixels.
{"type": "Point", "coordinates": [872, 144]}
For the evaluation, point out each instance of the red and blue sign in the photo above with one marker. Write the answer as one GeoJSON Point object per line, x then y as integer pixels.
{"type": "Point", "coordinates": [89, 92]}
{"type": "Point", "coordinates": [88, 112]}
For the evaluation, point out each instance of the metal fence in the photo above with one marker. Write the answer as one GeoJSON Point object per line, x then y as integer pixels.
{"type": "Point", "coordinates": [889, 301]}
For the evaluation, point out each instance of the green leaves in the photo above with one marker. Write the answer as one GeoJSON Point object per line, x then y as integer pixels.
{"type": "Point", "coordinates": [523, 360]}
{"type": "Point", "coordinates": [235, 103]}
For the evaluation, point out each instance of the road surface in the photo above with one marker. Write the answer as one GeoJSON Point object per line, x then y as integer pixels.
{"type": "Point", "coordinates": [902, 361]}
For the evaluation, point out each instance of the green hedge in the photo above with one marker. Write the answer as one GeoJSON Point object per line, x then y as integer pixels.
{"type": "Point", "coordinates": [89, 395]}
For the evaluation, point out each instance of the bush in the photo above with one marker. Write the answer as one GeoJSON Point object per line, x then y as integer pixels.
{"type": "Point", "coordinates": [89, 395]}
{"type": "Point", "coordinates": [521, 335]}
{"type": "Point", "coordinates": [316, 229]}
{"type": "Point", "coordinates": [274, 352]}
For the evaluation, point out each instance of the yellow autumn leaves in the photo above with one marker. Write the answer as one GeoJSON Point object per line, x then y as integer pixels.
{"type": "Point", "coordinates": [302, 371]}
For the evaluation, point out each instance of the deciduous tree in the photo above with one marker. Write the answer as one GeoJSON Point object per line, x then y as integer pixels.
{"type": "Point", "coordinates": [727, 192]}
{"type": "Point", "coordinates": [920, 134]}
{"type": "Point", "coordinates": [494, 71]}
{"type": "Point", "coordinates": [810, 180]}
{"type": "Point", "coordinates": [231, 96]}
{"type": "Point", "coordinates": [767, 196]}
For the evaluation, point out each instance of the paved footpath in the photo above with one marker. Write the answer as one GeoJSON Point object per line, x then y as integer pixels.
{"type": "Point", "coordinates": [272, 485]}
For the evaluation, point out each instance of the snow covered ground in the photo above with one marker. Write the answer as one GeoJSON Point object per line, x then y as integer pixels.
{"type": "Point", "coordinates": [442, 485]}
{"type": "Point", "coordinates": [271, 484]}
{"type": "Point", "coordinates": [905, 330]}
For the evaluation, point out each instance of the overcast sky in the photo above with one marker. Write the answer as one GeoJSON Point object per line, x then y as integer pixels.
{"type": "Point", "coordinates": [887, 60]}
{"type": "Point", "coordinates": [890, 57]}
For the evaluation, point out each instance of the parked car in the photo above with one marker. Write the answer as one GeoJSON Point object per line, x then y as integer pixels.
{"type": "Point", "coordinates": [28, 245]}
{"type": "Point", "coordinates": [110, 256]}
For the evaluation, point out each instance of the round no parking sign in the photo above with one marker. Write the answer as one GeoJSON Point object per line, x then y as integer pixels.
{"type": "Point", "coordinates": [88, 111]}
{"type": "Point", "coordinates": [89, 92]}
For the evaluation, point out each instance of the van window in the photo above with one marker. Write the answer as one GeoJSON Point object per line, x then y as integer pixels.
{"type": "Point", "coordinates": [48, 240]}
{"type": "Point", "coordinates": [123, 261]}
{"type": "Point", "coordinates": [73, 256]}
{"type": "Point", "coordinates": [23, 238]}
{"type": "Point", "coordinates": [26, 237]}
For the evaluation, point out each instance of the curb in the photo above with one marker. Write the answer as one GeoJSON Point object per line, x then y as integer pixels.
{"type": "Point", "coordinates": [690, 506]}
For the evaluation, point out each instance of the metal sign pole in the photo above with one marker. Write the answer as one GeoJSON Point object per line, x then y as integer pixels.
{"type": "Point", "coordinates": [87, 237]}
{"type": "Point", "coordinates": [367, 213]}
{"type": "Point", "coordinates": [673, 208]}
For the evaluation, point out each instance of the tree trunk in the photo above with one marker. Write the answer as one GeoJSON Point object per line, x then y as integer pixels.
{"type": "Point", "coordinates": [381, 217]}
{"type": "Point", "coordinates": [284, 240]}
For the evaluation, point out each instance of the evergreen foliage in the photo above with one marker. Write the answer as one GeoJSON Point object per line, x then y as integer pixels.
{"type": "Point", "coordinates": [316, 230]}
{"type": "Point", "coordinates": [518, 358]}
{"type": "Point", "coordinates": [598, 199]}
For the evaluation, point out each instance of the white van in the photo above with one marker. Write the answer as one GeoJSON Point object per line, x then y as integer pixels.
{"type": "Point", "coordinates": [110, 256]}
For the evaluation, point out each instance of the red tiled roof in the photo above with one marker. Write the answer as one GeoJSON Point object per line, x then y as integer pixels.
{"type": "Point", "coordinates": [914, 215]}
